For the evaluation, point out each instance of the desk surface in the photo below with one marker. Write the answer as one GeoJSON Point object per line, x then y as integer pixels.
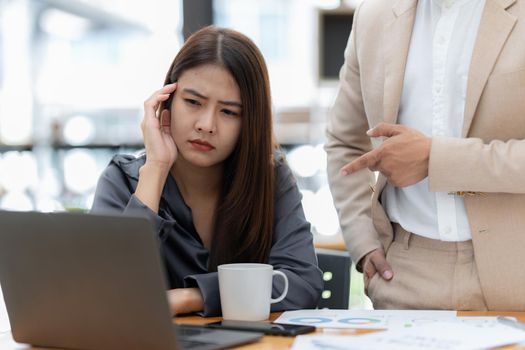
{"type": "Point", "coordinates": [335, 243]}
{"type": "Point", "coordinates": [267, 342]}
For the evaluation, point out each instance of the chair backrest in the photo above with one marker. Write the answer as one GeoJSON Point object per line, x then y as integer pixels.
{"type": "Point", "coordinates": [336, 266]}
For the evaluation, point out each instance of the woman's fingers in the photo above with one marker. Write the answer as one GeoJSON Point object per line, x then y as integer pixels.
{"type": "Point", "coordinates": [165, 121]}
{"type": "Point", "coordinates": [163, 97]}
{"type": "Point", "coordinates": [153, 102]}
{"type": "Point", "coordinates": [156, 128]}
{"type": "Point", "coordinates": [169, 88]}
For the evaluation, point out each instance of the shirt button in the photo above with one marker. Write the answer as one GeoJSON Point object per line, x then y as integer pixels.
{"type": "Point", "coordinates": [447, 230]}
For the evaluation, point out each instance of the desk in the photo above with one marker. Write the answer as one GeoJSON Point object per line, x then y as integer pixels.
{"type": "Point", "coordinates": [336, 243]}
{"type": "Point", "coordinates": [267, 342]}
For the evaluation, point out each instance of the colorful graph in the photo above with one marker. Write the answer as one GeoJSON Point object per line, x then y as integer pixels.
{"type": "Point", "coordinates": [364, 319]}
{"type": "Point", "coordinates": [310, 320]}
{"type": "Point", "coordinates": [360, 321]}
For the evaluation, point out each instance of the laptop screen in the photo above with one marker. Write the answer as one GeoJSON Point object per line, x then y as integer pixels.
{"type": "Point", "coordinates": [84, 281]}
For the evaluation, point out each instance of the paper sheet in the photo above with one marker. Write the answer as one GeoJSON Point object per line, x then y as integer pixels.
{"type": "Point", "coordinates": [364, 319]}
{"type": "Point", "coordinates": [439, 335]}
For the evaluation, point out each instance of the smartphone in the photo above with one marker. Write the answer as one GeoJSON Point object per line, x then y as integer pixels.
{"type": "Point", "coordinates": [263, 327]}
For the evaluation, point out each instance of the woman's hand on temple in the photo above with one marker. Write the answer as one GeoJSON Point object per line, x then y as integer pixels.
{"type": "Point", "coordinates": [161, 150]}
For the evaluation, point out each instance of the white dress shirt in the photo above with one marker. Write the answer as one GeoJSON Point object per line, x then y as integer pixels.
{"type": "Point", "coordinates": [433, 102]}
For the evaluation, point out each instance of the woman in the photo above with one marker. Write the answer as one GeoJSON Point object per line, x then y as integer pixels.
{"type": "Point", "coordinates": [210, 179]}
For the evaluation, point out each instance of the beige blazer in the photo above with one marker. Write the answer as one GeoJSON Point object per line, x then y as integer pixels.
{"type": "Point", "coordinates": [489, 160]}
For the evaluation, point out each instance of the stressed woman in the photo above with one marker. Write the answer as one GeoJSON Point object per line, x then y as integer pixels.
{"type": "Point", "coordinates": [212, 180]}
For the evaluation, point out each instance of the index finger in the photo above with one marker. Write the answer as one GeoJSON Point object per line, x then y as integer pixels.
{"type": "Point", "coordinates": [385, 129]}
{"type": "Point", "coordinates": [367, 160]}
{"type": "Point", "coordinates": [152, 103]}
{"type": "Point", "coordinates": [168, 88]}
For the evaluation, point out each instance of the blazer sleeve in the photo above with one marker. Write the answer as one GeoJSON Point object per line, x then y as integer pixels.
{"type": "Point", "coordinates": [346, 141]}
{"type": "Point", "coordinates": [469, 164]}
{"type": "Point", "coordinates": [292, 249]}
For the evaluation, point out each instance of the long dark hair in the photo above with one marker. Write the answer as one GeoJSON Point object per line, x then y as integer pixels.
{"type": "Point", "coordinates": [244, 217]}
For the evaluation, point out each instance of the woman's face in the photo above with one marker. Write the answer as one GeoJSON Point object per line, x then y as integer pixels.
{"type": "Point", "coordinates": [206, 115]}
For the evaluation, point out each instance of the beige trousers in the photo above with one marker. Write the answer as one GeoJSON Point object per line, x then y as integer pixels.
{"type": "Point", "coordinates": [428, 274]}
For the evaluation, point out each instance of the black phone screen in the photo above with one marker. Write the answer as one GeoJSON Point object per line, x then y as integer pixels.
{"type": "Point", "coordinates": [263, 327]}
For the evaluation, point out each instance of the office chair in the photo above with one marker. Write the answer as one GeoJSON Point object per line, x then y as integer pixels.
{"type": "Point", "coordinates": [335, 265]}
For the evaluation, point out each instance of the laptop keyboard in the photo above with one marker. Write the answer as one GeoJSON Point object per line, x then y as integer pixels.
{"type": "Point", "coordinates": [186, 336]}
{"type": "Point", "coordinates": [184, 332]}
{"type": "Point", "coordinates": [203, 338]}
{"type": "Point", "coordinates": [191, 344]}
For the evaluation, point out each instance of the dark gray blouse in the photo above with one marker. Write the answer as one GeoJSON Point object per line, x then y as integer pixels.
{"type": "Point", "coordinates": [186, 258]}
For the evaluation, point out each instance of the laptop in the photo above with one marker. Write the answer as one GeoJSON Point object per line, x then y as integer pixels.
{"type": "Point", "coordinates": [92, 282]}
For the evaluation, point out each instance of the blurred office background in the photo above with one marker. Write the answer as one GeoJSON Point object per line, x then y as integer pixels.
{"type": "Point", "coordinates": [74, 75]}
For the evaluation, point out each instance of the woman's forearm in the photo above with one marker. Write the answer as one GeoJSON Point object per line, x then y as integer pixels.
{"type": "Point", "coordinates": [151, 182]}
{"type": "Point", "coordinates": [185, 300]}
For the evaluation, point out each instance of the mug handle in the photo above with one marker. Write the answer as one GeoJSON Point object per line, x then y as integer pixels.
{"type": "Point", "coordinates": [285, 291]}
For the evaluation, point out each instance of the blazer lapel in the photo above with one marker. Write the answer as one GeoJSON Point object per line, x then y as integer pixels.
{"type": "Point", "coordinates": [494, 28]}
{"type": "Point", "coordinates": [397, 35]}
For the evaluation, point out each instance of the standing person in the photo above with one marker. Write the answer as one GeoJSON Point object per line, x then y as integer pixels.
{"type": "Point", "coordinates": [440, 85]}
{"type": "Point", "coordinates": [211, 179]}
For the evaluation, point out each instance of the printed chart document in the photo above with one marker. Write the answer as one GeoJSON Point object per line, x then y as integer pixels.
{"type": "Point", "coordinates": [439, 335]}
{"type": "Point", "coordinates": [371, 319]}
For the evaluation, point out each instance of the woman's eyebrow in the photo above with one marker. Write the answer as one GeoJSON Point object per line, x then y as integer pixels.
{"type": "Point", "coordinates": [198, 94]}
{"type": "Point", "coordinates": [195, 93]}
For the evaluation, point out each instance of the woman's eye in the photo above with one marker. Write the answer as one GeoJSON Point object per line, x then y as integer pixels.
{"type": "Point", "coordinates": [192, 102]}
{"type": "Point", "coordinates": [230, 113]}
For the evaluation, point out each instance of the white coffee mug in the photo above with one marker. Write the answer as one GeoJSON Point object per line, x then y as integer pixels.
{"type": "Point", "coordinates": [246, 291]}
